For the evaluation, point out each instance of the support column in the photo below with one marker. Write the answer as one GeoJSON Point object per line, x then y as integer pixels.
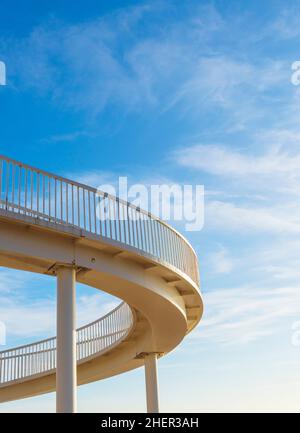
{"type": "Point", "coordinates": [151, 382]}
{"type": "Point", "coordinates": [66, 365]}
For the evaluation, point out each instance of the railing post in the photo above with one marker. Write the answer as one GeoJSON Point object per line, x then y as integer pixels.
{"type": "Point", "coordinates": [150, 360]}
{"type": "Point", "coordinates": [66, 375]}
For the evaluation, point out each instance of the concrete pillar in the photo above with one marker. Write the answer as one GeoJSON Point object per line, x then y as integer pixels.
{"type": "Point", "coordinates": [151, 382]}
{"type": "Point", "coordinates": [66, 374]}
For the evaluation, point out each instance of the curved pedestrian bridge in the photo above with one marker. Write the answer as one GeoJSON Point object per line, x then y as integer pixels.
{"type": "Point", "coordinates": [54, 226]}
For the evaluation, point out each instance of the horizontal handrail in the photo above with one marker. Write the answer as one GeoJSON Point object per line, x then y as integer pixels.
{"type": "Point", "coordinates": [33, 192]}
{"type": "Point", "coordinates": [94, 190]}
{"type": "Point", "coordinates": [29, 360]}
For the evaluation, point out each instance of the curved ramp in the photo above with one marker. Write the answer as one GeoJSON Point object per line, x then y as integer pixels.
{"type": "Point", "coordinates": [46, 222]}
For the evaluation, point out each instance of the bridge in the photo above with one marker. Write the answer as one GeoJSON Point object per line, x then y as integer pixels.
{"type": "Point", "coordinates": [72, 232]}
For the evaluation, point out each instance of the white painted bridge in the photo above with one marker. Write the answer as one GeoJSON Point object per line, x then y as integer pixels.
{"type": "Point", "coordinates": [54, 226]}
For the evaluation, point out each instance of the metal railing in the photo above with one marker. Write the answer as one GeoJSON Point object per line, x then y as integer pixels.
{"type": "Point", "coordinates": [40, 358]}
{"type": "Point", "coordinates": [32, 192]}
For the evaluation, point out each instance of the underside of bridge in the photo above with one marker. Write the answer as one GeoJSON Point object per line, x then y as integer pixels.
{"type": "Point", "coordinates": [143, 262]}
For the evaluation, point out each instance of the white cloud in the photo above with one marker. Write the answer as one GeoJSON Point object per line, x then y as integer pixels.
{"type": "Point", "coordinates": [260, 188]}
{"type": "Point", "coordinates": [94, 178]}
{"type": "Point", "coordinates": [67, 137]}
{"type": "Point", "coordinates": [221, 262]}
{"type": "Point", "coordinates": [285, 26]}
{"type": "Point", "coordinates": [276, 263]}
{"type": "Point", "coordinates": [233, 85]}
{"type": "Point", "coordinates": [23, 320]}
{"type": "Point", "coordinates": [214, 81]}
{"type": "Point", "coordinates": [92, 307]}
{"type": "Point", "coordinates": [242, 315]}
{"type": "Point", "coordinates": [88, 66]}
{"type": "Point", "coordinates": [11, 281]}
{"type": "Point", "coordinates": [219, 160]}
{"type": "Point", "coordinates": [79, 66]}
{"type": "Point", "coordinates": [27, 317]}
{"type": "Point", "coordinates": [232, 217]}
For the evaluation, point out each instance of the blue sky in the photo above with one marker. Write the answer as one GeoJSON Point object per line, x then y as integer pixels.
{"type": "Point", "coordinates": [170, 91]}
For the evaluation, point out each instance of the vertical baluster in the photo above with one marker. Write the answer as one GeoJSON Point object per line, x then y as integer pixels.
{"type": "Point", "coordinates": [79, 344]}
{"type": "Point", "coordinates": [31, 190]}
{"type": "Point", "coordinates": [19, 188]}
{"type": "Point", "coordinates": [99, 215]}
{"type": "Point", "coordinates": [67, 203]}
{"type": "Point", "coordinates": [152, 237]}
{"type": "Point", "coordinates": [95, 213]}
{"type": "Point", "coordinates": [124, 222]}
{"type": "Point", "coordinates": [55, 199]}
{"type": "Point", "coordinates": [1, 362]}
{"type": "Point", "coordinates": [61, 201]}
{"type": "Point", "coordinates": [89, 210]}
{"type": "Point", "coordinates": [43, 194]}
{"type": "Point", "coordinates": [13, 185]}
{"type": "Point", "coordinates": [26, 189]}
{"type": "Point", "coordinates": [168, 244]}
{"type": "Point", "coordinates": [38, 193]}
{"type": "Point", "coordinates": [84, 209]}
{"type": "Point", "coordinates": [101, 335]}
{"type": "Point", "coordinates": [136, 228]}
{"type": "Point", "coordinates": [109, 217]}
{"type": "Point", "coordinates": [115, 218]}
{"type": "Point", "coordinates": [128, 223]}
{"type": "Point", "coordinates": [7, 185]}
{"type": "Point", "coordinates": [158, 244]}
{"type": "Point", "coordinates": [105, 215]}
{"type": "Point", "coordinates": [1, 173]}
{"type": "Point", "coordinates": [78, 205]}
{"type": "Point", "coordinates": [141, 230]}
{"type": "Point", "coordinates": [176, 250]}
{"type": "Point", "coordinates": [73, 210]}
{"type": "Point", "coordinates": [49, 197]}
{"type": "Point", "coordinates": [147, 237]}
{"type": "Point", "coordinates": [119, 220]}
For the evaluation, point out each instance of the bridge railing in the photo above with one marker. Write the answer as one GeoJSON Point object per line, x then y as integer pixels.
{"type": "Point", "coordinates": [40, 357]}
{"type": "Point", "coordinates": [33, 192]}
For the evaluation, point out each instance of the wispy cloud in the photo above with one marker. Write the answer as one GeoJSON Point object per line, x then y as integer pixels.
{"type": "Point", "coordinates": [285, 26]}
{"type": "Point", "coordinates": [109, 62]}
{"type": "Point", "coordinates": [10, 281]}
{"type": "Point", "coordinates": [38, 318]}
{"type": "Point", "coordinates": [95, 178]}
{"type": "Point", "coordinates": [105, 61]}
{"type": "Point", "coordinates": [237, 218]}
{"type": "Point", "coordinates": [220, 261]}
{"type": "Point", "coordinates": [258, 183]}
{"type": "Point", "coordinates": [28, 316]}
{"type": "Point", "coordinates": [243, 315]}
{"type": "Point", "coordinates": [66, 138]}
{"type": "Point", "coordinates": [219, 160]}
